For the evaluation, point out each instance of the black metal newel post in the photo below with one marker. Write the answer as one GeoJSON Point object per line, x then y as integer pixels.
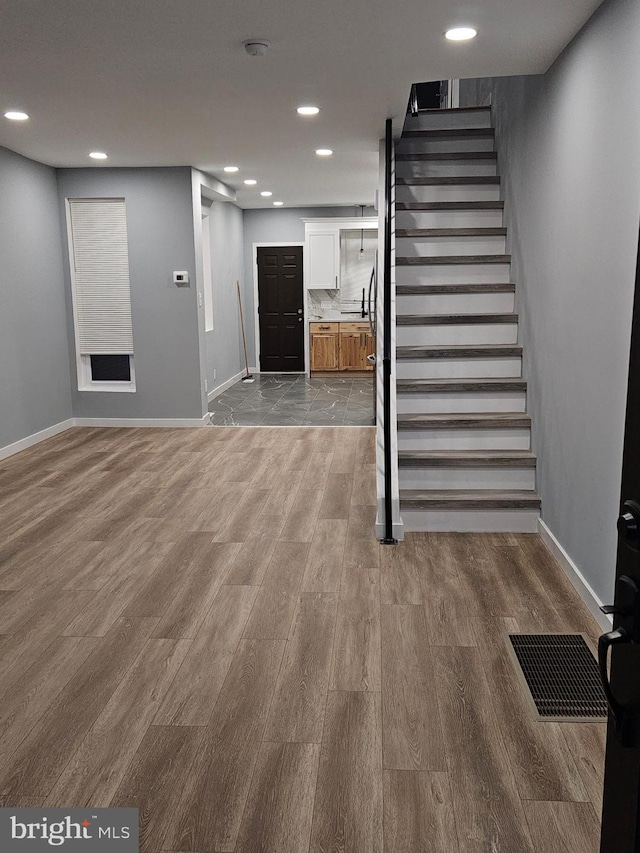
{"type": "Point", "coordinates": [386, 338]}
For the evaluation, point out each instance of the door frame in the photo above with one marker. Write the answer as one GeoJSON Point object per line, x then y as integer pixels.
{"type": "Point", "coordinates": [256, 316]}
{"type": "Point", "coordinates": [620, 822]}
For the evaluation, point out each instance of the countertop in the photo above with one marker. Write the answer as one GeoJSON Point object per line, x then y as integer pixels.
{"type": "Point", "coordinates": [336, 317]}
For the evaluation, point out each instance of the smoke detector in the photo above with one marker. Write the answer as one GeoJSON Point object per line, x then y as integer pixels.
{"type": "Point", "coordinates": [256, 47]}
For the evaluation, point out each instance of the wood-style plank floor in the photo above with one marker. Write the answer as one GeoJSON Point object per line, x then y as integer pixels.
{"type": "Point", "coordinates": [201, 624]}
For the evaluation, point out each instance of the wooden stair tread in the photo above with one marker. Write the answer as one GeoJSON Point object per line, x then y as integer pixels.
{"type": "Point", "coordinates": [469, 499]}
{"type": "Point", "coordinates": [466, 459]}
{"type": "Point", "coordinates": [449, 205]}
{"type": "Point", "coordinates": [441, 289]}
{"type": "Point", "coordinates": [437, 111]}
{"type": "Point", "coordinates": [451, 232]}
{"type": "Point", "coordinates": [446, 260]}
{"type": "Point", "coordinates": [450, 133]}
{"type": "Point", "coordinates": [445, 156]}
{"type": "Point", "coordinates": [455, 319]}
{"type": "Point", "coordinates": [458, 499]}
{"type": "Point", "coordinates": [460, 351]}
{"type": "Point", "coordinates": [466, 420]}
{"type": "Point", "coordinates": [450, 180]}
{"type": "Point", "coordinates": [457, 386]}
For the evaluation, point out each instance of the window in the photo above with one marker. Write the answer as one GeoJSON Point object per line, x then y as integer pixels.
{"type": "Point", "coordinates": [99, 262]}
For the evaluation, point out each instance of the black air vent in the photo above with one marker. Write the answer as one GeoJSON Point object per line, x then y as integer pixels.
{"type": "Point", "coordinates": [561, 674]}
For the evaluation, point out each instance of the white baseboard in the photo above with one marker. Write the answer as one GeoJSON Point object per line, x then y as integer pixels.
{"type": "Point", "coordinates": [174, 423]}
{"type": "Point", "coordinates": [574, 574]}
{"type": "Point", "coordinates": [164, 423]}
{"type": "Point", "coordinates": [290, 426]}
{"type": "Point", "coordinates": [36, 438]}
{"type": "Point", "coordinates": [63, 426]}
{"type": "Point", "coordinates": [220, 389]}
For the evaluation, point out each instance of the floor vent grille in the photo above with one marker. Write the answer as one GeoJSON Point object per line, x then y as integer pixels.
{"type": "Point", "coordinates": [561, 674]}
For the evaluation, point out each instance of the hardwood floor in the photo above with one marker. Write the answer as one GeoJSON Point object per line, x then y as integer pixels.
{"type": "Point", "coordinates": [201, 624]}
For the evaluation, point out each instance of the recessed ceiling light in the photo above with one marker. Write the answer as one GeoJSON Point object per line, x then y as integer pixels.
{"type": "Point", "coordinates": [461, 34]}
{"type": "Point", "coordinates": [278, 203]}
{"type": "Point", "coordinates": [231, 168]}
{"type": "Point", "coordinates": [266, 193]}
{"type": "Point", "coordinates": [16, 115]}
{"type": "Point", "coordinates": [324, 152]}
{"type": "Point", "coordinates": [98, 155]}
{"type": "Point", "coordinates": [308, 111]}
{"type": "Point", "coordinates": [250, 182]}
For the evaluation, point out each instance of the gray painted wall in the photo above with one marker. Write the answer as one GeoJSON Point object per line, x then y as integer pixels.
{"type": "Point", "coordinates": [569, 153]}
{"type": "Point", "coordinates": [165, 317]}
{"type": "Point", "coordinates": [35, 391]}
{"type": "Point", "coordinates": [224, 352]}
{"type": "Point", "coordinates": [278, 226]}
{"type": "Point", "coordinates": [476, 92]}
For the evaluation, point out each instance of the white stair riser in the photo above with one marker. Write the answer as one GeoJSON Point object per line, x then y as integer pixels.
{"type": "Point", "coordinates": [445, 168]}
{"type": "Point", "coordinates": [455, 303]}
{"type": "Point", "coordinates": [422, 145]}
{"type": "Point", "coordinates": [496, 477]}
{"type": "Point", "coordinates": [431, 336]}
{"type": "Point", "coordinates": [451, 192]}
{"type": "Point", "coordinates": [458, 402]}
{"type": "Point", "coordinates": [453, 274]}
{"type": "Point", "coordinates": [464, 439]}
{"type": "Point", "coordinates": [446, 218]}
{"type": "Point", "coordinates": [445, 120]}
{"type": "Point", "coordinates": [471, 521]}
{"type": "Point", "coordinates": [458, 368]}
{"type": "Point", "coordinates": [433, 247]}
{"type": "Point", "coordinates": [468, 478]}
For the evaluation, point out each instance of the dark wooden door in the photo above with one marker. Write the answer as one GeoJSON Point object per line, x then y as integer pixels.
{"type": "Point", "coordinates": [280, 308]}
{"type": "Point", "coordinates": [621, 803]}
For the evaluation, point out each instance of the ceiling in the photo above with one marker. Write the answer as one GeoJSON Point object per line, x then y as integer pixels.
{"type": "Point", "coordinates": [167, 82]}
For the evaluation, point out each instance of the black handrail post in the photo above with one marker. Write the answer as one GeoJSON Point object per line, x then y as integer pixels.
{"type": "Point", "coordinates": [386, 337]}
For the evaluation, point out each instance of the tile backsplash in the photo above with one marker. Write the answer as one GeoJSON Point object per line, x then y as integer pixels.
{"type": "Point", "coordinates": [323, 302]}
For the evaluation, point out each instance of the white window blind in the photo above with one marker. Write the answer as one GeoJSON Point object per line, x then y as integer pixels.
{"type": "Point", "coordinates": [100, 260]}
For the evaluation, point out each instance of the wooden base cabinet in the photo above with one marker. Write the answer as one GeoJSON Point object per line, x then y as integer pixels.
{"type": "Point", "coordinates": [356, 343]}
{"type": "Point", "coordinates": [325, 346]}
{"type": "Point", "coordinates": [340, 346]}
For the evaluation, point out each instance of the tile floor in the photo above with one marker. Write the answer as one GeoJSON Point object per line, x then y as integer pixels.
{"type": "Point", "coordinates": [295, 400]}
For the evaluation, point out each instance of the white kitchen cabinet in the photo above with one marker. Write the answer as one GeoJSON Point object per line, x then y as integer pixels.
{"type": "Point", "coordinates": [322, 266]}
{"type": "Point", "coordinates": [322, 248]}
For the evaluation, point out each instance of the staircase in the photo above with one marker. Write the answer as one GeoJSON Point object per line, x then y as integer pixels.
{"type": "Point", "coordinates": [463, 433]}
